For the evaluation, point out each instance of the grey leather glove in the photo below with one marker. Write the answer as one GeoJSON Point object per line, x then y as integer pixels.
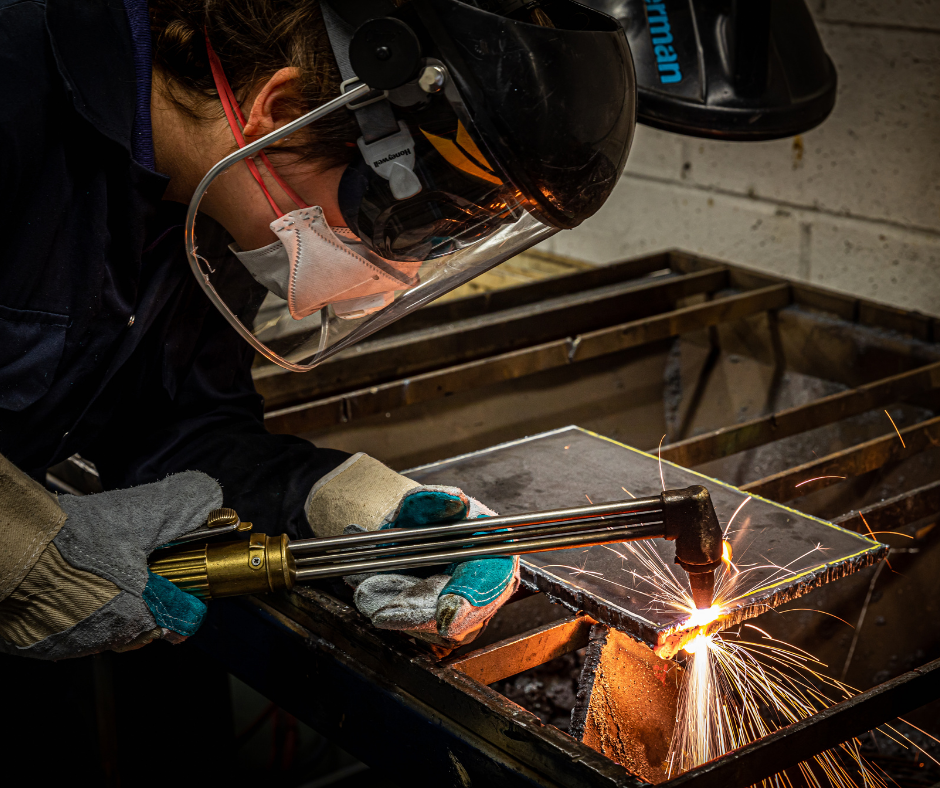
{"type": "Point", "coordinates": [88, 587]}
{"type": "Point", "coordinates": [447, 608]}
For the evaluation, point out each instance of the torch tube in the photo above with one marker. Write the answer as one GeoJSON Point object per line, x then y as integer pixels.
{"type": "Point", "coordinates": [508, 548]}
{"type": "Point", "coordinates": [651, 508]}
{"type": "Point", "coordinates": [392, 547]}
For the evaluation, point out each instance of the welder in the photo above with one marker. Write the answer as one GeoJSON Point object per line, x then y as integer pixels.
{"type": "Point", "coordinates": [459, 133]}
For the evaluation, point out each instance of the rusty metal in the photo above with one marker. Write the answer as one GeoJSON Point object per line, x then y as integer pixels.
{"type": "Point", "coordinates": [281, 388]}
{"type": "Point", "coordinates": [518, 653]}
{"type": "Point", "coordinates": [846, 307]}
{"type": "Point", "coordinates": [628, 699]}
{"type": "Point", "coordinates": [520, 363]}
{"type": "Point", "coordinates": [849, 462]}
{"type": "Point", "coordinates": [386, 397]}
{"type": "Point", "coordinates": [680, 321]}
{"type": "Point", "coordinates": [792, 421]}
{"type": "Point", "coordinates": [393, 355]}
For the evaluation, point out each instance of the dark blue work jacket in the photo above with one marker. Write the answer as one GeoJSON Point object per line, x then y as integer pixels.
{"type": "Point", "coordinates": [108, 347]}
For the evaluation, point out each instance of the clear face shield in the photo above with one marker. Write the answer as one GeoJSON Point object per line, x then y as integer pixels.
{"type": "Point", "coordinates": [428, 205]}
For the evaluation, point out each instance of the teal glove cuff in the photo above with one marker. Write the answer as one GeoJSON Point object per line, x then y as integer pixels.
{"type": "Point", "coordinates": [481, 581]}
{"type": "Point", "coordinates": [171, 608]}
{"type": "Point", "coordinates": [428, 507]}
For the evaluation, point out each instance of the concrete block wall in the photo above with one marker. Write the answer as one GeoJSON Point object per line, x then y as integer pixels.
{"type": "Point", "coordinates": [853, 204]}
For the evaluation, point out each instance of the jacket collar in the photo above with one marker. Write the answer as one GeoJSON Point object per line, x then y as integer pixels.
{"type": "Point", "coordinates": [91, 41]}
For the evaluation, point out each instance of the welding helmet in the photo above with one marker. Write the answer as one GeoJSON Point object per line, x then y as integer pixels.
{"type": "Point", "coordinates": [486, 126]}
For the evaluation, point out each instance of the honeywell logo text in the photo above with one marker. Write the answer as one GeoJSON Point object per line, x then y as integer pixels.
{"type": "Point", "coordinates": [392, 157]}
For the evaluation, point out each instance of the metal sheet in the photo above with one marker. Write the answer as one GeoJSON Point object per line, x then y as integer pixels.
{"type": "Point", "coordinates": [783, 552]}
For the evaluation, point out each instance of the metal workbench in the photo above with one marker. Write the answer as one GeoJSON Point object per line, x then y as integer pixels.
{"type": "Point", "coordinates": [756, 380]}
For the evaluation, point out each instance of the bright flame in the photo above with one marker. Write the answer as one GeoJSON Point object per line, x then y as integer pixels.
{"type": "Point", "coordinates": [696, 644]}
{"type": "Point", "coordinates": [700, 618]}
{"type": "Point", "coordinates": [726, 556]}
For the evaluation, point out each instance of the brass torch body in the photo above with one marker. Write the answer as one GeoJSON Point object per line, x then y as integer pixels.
{"type": "Point", "coordinates": [261, 565]}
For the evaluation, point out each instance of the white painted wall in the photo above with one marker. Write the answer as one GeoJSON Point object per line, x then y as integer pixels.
{"type": "Point", "coordinates": [853, 204]}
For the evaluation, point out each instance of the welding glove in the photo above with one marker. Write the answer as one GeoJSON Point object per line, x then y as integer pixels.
{"type": "Point", "coordinates": [446, 607]}
{"type": "Point", "coordinates": [73, 571]}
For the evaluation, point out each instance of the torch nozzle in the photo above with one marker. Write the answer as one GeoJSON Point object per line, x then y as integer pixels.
{"type": "Point", "coordinates": [691, 521]}
{"type": "Point", "coordinates": [703, 588]}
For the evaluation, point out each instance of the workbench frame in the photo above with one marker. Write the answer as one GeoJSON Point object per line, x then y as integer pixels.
{"type": "Point", "coordinates": [385, 699]}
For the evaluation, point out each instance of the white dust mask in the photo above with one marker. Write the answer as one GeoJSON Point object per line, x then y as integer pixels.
{"type": "Point", "coordinates": [312, 265]}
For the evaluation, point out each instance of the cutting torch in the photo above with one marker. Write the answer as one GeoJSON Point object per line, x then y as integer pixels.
{"type": "Point", "coordinates": [266, 563]}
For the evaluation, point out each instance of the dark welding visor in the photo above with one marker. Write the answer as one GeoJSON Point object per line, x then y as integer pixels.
{"type": "Point", "coordinates": [534, 117]}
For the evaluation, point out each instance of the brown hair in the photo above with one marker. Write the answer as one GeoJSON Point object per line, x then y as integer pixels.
{"type": "Point", "coordinates": [253, 39]}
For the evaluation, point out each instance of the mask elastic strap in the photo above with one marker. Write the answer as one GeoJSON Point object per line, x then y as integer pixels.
{"type": "Point", "coordinates": [233, 111]}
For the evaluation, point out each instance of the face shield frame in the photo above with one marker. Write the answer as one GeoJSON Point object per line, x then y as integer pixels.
{"type": "Point", "coordinates": [533, 232]}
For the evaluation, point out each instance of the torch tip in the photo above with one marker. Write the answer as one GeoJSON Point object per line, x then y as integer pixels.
{"type": "Point", "coordinates": [703, 589]}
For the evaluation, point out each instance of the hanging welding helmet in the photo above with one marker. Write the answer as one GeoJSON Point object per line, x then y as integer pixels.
{"type": "Point", "coordinates": [486, 126]}
{"type": "Point", "coordinates": [742, 70]}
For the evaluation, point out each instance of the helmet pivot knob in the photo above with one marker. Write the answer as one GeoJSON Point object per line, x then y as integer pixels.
{"type": "Point", "coordinates": [385, 53]}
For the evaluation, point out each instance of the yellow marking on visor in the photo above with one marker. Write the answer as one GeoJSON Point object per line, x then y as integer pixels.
{"type": "Point", "coordinates": [463, 154]}
{"type": "Point", "coordinates": [465, 141]}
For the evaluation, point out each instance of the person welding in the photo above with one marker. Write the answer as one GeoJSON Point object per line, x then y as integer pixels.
{"type": "Point", "coordinates": [406, 147]}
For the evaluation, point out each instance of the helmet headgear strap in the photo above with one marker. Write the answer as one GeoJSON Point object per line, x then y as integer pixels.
{"type": "Point", "coordinates": [386, 145]}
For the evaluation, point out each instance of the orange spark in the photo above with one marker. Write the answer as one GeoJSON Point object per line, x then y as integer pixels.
{"type": "Point", "coordinates": [817, 478]}
{"type": "Point", "coordinates": [728, 527]}
{"type": "Point", "coordinates": [872, 535]}
{"type": "Point", "coordinates": [589, 499]}
{"type": "Point", "coordinates": [814, 610]}
{"type": "Point", "coordinates": [628, 492]}
{"type": "Point", "coordinates": [903, 446]}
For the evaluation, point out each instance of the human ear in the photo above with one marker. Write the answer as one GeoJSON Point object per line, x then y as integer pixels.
{"type": "Point", "coordinates": [275, 104]}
